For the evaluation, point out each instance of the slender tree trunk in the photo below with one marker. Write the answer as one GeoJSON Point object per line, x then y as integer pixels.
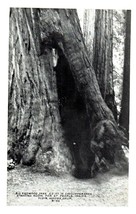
{"type": "Point", "coordinates": [88, 31]}
{"type": "Point", "coordinates": [103, 56]}
{"type": "Point", "coordinates": [124, 115]}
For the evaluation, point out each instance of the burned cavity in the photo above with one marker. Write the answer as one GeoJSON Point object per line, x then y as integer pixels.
{"type": "Point", "coordinates": [74, 119]}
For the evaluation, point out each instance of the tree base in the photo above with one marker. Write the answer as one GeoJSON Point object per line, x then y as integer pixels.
{"type": "Point", "coordinates": [82, 174]}
{"type": "Point", "coordinates": [29, 162]}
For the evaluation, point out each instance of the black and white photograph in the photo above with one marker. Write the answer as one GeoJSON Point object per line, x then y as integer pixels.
{"type": "Point", "coordinates": [68, 107]}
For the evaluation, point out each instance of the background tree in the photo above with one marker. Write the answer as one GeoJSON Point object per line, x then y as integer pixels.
{"type": "Point", "coordinates": [124, 115]}
{"type": "Point", "coordinates": [87, 22]}
{"type": "Point", "coordinates": [103, 56]}
{"type": "Point", "coordinates": [40, 112]}
{"type": "Point", "coordinates": [88, 31]}
{"type": "Point", "coordinates": [118, 55]}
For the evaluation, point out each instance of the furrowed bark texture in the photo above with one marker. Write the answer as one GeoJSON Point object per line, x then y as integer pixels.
{"type": "Point", "coordinates": [124, 115]}
{"type": "Point", "coordinates": [33, 101]}
{"type": "Point", "coordinates": [103, 56]}
{"type": "Point", "coordinates": [65, 30]}
{"type": "Point", "coordinates": [88, 31]}
{"type": "Point", "coordinates": [34, 117]}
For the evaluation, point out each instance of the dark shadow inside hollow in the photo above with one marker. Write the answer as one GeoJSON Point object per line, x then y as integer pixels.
{"type": "Point", "coordinates": [74, 119]}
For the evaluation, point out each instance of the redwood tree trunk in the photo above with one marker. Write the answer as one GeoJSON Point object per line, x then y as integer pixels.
{"type": "Point", "coordinates": [64, 29]}
{"type": "Point", "coordinates": [34, 118]}
{"type": "Point", "coordinates": [124, 115]}
{"type": "Point", "coordinates": [88, 31]}
{"type": "Point", "coordinates": [103, 56]}
{"type": "Point", "coordinates": [65, 32]}
{"type": "Point", "coordinates": [33, 115]}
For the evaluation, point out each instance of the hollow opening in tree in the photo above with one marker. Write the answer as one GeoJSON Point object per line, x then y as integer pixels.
{"type": "Point", "coordinates": [74, 119]}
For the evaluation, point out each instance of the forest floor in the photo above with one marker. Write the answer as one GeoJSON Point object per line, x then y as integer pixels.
{"type": "Point", "coordinates": [28, 188]}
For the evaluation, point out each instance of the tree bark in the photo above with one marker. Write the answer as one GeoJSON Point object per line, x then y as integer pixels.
{"type": "Point", "coordinates": [124, 115]}
{"type": "Point", "coordinates": [34, 118]}
{"type": "Point", "coordinates": [65, 30]}
{"type": "Point", "coordinates": [33, 115]}
{"type": "Point", "coordinates": [103, 56]}
{"type": "Point", "coordinates": [88, 31]}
